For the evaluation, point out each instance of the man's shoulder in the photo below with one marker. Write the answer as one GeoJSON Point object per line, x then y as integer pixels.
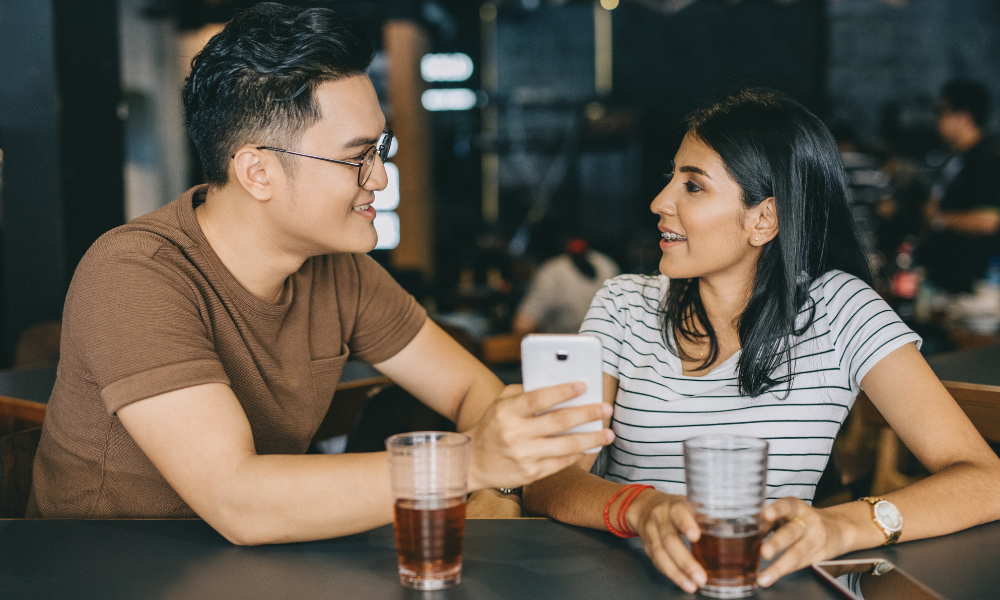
{"type": "Point", "coordinates": [142, 240]}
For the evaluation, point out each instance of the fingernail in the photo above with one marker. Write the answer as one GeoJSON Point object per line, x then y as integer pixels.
{"type": "Point", "coordinates": [690, 587]}
{"type": "Point", "coordinates": [609, 435]}
{"type": "Point", "coordinates": [606, 410]}
{"type": "Point", "coordinates": [699, 578]}
{"type": "Point", "coordinates": [579, 387]}
{"type": "Point", "coordinates": [764, 580]}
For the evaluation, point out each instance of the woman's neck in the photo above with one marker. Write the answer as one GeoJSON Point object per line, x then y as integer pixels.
{"type": "Point", "coordinates": [725, 297]}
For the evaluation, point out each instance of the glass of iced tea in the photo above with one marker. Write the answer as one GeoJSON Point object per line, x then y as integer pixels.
{"type": "Point", "coordinates": [429, 471]}
{"type": "Point", "coordinates": [726, 480]}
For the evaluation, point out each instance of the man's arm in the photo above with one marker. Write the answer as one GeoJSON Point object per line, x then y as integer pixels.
{"type": "Point", "coordinates": [200, 441]}
{"type": "Point", "coordinates": [977, 221]}
{"type": "Point", "coordinates": [510, 445]}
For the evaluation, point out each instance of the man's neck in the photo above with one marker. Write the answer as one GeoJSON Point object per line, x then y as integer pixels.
{"type": "Point", "coordinates": [234, 225]}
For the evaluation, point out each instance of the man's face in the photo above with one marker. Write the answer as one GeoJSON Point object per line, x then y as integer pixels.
{"type": "Point", "coordinates": [321, 209]}
{"type": "Point", "coordinates": [952, 124]}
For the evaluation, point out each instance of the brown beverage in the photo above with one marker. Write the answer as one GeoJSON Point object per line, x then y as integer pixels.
{"type": "Point", "coordinates": [429, 540]}
{"type": "Point", "coordinates": [729, 549]}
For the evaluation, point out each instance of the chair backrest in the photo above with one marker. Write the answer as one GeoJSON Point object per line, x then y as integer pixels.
{"type": "Point", "coordinates": [17, 457]}
{"type": "Point", "coordinates": [982, 405]}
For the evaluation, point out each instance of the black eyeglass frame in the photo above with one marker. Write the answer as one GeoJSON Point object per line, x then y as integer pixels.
{"type": "Point", "coordinates": [382, 151]}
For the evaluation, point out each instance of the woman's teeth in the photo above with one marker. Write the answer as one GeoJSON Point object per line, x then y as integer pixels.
{"type": "Point", "coordinates": [673, 237]}
{"type": "Point", "coordinates": [363, 207]}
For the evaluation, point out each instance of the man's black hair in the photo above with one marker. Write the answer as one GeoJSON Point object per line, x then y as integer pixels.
{"type": "Point", "coordinates": [969, 96]}
{"type": "Point", "coordinates": [254, 82]}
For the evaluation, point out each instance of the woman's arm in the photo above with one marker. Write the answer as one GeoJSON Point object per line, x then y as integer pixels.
{"type": "Point", "coordinates": [577, 497]}
{"type": "Point", "coordinates": [963, 491]}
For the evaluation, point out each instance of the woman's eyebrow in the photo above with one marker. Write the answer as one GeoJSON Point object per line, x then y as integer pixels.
{"type": "Point", "coordinates": [694, 170]}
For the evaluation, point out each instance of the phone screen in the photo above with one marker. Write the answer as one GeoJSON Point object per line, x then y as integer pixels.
{"type": "Point", "coordinates": [874, 579]}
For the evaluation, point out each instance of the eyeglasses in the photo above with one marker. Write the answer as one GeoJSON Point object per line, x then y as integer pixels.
{"type": "Point", "coordinates": [367, 164]}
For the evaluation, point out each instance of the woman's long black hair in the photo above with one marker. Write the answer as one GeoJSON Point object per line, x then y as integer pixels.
{"type": "Point", "coordinates": [772, 146]}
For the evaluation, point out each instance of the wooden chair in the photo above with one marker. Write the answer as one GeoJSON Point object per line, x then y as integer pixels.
{"type": "Point", "coordinates": [17, 458]}
{"type": "Point", "coordinates": [17, 414]}
{"type": "Point", "coordinates": [981, 404]}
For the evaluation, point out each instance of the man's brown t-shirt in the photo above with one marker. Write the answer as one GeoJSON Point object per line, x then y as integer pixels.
{"type": "Point", "coordinates": [152, 309]}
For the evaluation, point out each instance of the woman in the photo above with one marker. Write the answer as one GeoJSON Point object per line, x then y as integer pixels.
{"type": "Point", "coordinates": [763, 323]}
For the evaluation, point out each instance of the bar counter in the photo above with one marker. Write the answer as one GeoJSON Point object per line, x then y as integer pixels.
{"type": "Point", "coordinates": [504, 559]}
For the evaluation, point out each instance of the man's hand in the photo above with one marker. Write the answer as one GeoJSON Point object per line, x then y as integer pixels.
{"type": "Point", "coordinates": [513, 445]}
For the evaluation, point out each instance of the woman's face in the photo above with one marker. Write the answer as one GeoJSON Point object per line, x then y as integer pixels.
{"type": "Point", "coordinates": [705, 227]}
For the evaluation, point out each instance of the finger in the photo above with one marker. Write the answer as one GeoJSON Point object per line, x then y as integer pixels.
{"type": "Point", "coordinates": [513, 389]}
{"type": "Point", "coordinates": [782, 510]}
{"type": "Point", "coordinates": [653, 543]}
{"type": "Point", "coordinates": [785, 536]}
{"type": "Point", "coordinates": [571, 444]}
{"type": "Point", "coordinates": [563, 419]}
{"type": "Point", "coordinates": [685, 561]}
{"type": "Point", "coordinates": [792, 560]}
{"type": "Point", "coordinates": [683, 520]}
{"type": "Point", "coordinates": [543, 399]}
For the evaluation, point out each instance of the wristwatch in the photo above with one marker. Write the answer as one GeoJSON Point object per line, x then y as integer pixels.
{"type": "Point", "coordinates": [887, 517]}
{"type": "Point", "coordinates": [510, 491]}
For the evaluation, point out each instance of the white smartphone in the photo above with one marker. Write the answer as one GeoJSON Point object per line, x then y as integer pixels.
{"type": "Point", "coordinates": [554, 359]}
{"type": "Point", "coordinates": [872, 579]}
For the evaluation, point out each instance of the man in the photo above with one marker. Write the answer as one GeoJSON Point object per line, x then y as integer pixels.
{"type": "Point", "coordinates": [202, 343]}
{"type": "Point", "coordinates": [964, 209]}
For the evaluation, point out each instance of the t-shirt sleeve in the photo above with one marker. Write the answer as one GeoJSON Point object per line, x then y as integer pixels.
{"type": "Point", "coordinates": [138, 329]}
{"type": "Point", "coordinates": [538, 301]}
{"type": "Point", "coordinates": [863, 326]}
{"type": "Point", "coordinates": [606, 319]}
{"type": "Point", "coordinates": [388, 318]}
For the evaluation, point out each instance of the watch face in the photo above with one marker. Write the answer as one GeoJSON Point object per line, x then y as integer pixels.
{"type": "Point", "coordinates": [888, 516]}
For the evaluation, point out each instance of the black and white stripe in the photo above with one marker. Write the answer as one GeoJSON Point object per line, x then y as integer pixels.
{"type": "Point", "coordinates": [658, 407]}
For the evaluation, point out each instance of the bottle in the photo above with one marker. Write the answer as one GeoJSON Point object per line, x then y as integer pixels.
{"type": "Point", "coordinates": [905, 282]}
{"type": "Point", "coordinates": [993, 272]}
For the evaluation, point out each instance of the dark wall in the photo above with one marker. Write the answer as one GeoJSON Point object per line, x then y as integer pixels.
{"type": "Point", "coordinates": [668, 65]}
{"type": "Point", "coordinates": [62, 150]}
{"type": "Point", "coordinates": [888, 63]}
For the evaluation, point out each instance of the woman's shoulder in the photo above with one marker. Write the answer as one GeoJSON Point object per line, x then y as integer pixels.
{"type": "Point", "coordinates": [836, 287]}
{"type": "Point", "coordinates": [650, 287]}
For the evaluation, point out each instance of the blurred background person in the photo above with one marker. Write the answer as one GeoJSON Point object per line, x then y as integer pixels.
{"type": "Point", "coordinates": [963, 212]}
{"type": "Point", "coordinates": [562, 288]}
{"type": "Point", "coordinates": [867, 184]}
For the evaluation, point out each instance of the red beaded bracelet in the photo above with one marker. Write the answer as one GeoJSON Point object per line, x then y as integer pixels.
{"type": "Point", "coordinates": [623, 530]}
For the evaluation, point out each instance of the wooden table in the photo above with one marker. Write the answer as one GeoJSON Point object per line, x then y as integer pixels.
{"type": "Point", "coordinates": [504, 559]}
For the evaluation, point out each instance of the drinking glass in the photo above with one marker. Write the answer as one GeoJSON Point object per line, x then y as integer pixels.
{"type": "Point", "coordinates": [726, 477]}
{"type": "Point", "coordinates": [429, 472]}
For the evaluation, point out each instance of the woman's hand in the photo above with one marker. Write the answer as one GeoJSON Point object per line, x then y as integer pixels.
{"type": "Point", "coordinates": [806, 534]}
{"type": "Point", "coordinates": [660, 520]}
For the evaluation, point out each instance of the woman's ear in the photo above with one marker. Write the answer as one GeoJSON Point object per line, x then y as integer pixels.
{"type": "Point", "coordinates": [255, 172]}
{"type": "Point", "coordinates": [762, 222]}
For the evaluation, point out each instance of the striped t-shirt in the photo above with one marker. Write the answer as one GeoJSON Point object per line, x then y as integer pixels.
{"type": "Point", "coordinates": [658, 407]}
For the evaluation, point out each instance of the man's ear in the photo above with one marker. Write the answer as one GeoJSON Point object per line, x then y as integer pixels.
{"type": "Point", "coordinates": [762, 222]}
{"type": "Point", "coordinates": [256, 171]}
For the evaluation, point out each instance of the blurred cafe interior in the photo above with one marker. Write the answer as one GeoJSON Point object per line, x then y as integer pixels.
{"type": "Point", "coordinates": [525, 132]}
